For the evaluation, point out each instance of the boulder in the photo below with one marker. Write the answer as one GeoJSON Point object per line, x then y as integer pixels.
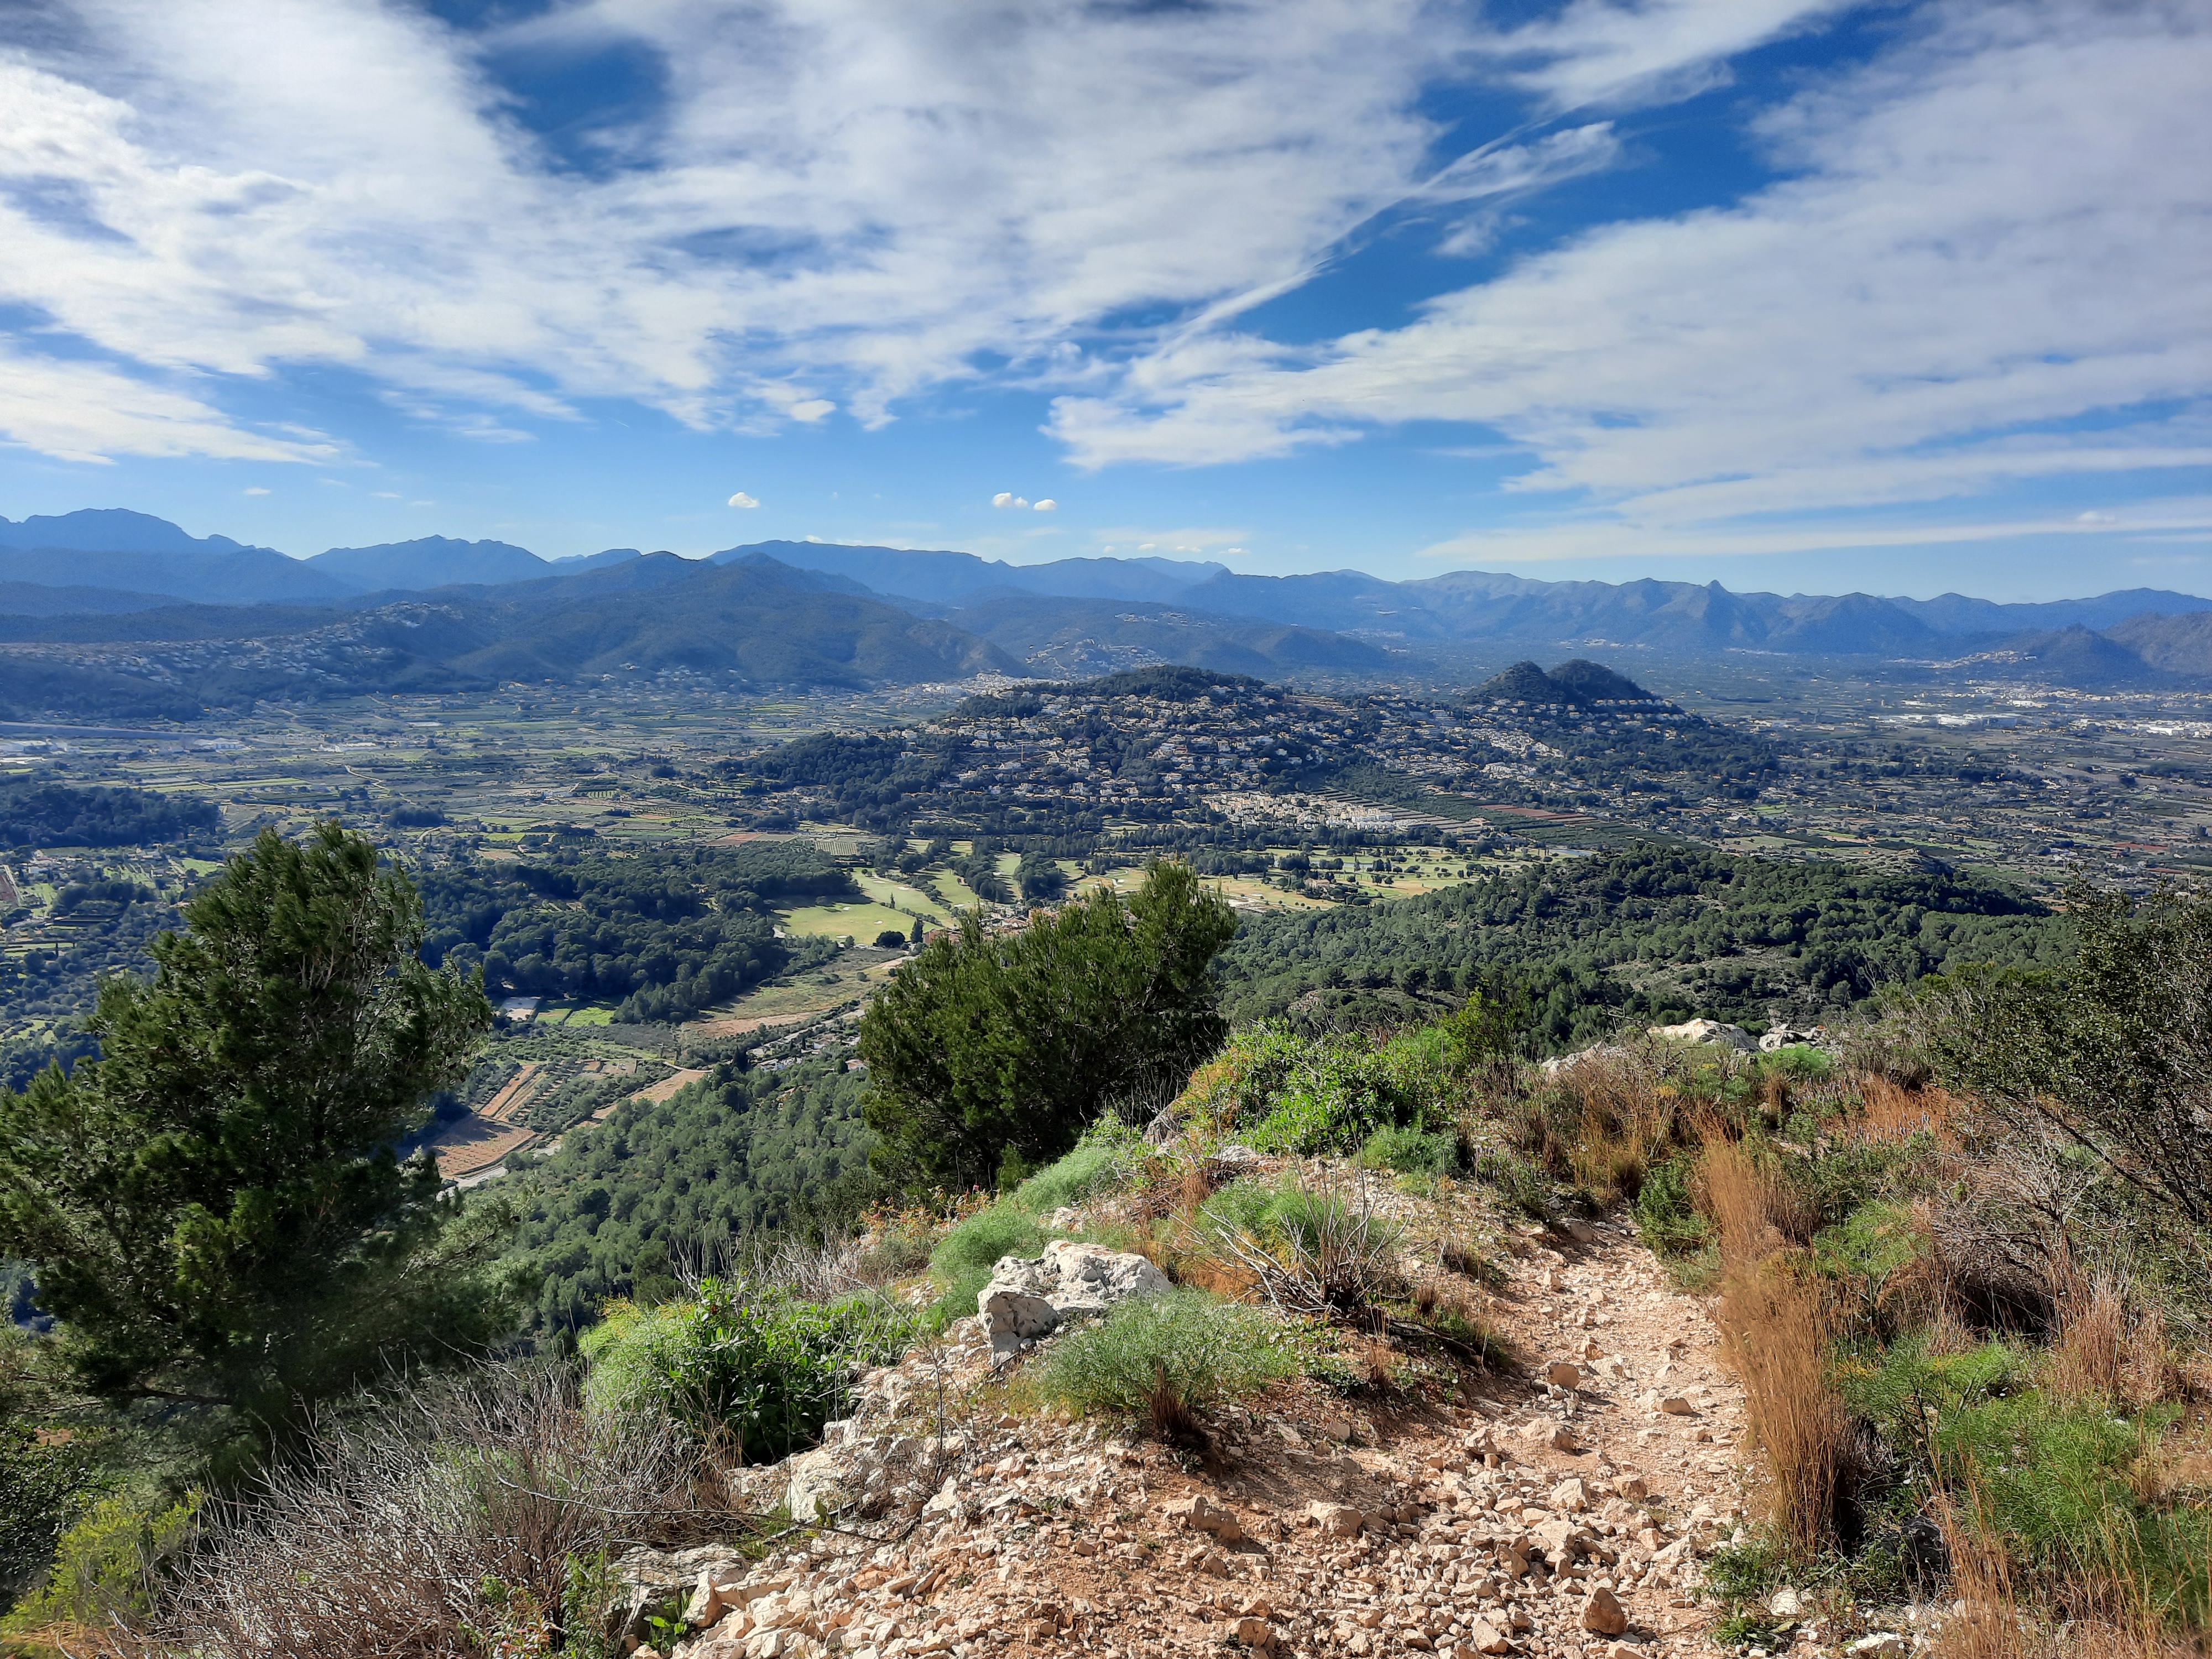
{"type": "Point", "coordinates": [1603, 1614]}
{"type": "Point", "coordinates": [1028, 1298]}
{"type": "Point", "coordinates": [1708, 1030]}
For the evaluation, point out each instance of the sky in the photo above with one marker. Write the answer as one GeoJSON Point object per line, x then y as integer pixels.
{"type": "Point", "coordinates": [1793, 296]}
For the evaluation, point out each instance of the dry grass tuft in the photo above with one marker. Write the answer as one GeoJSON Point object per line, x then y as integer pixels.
{"type": "Point", "coordinates": [1774, 1336]}
{"type": "Point", "coordinates": [435, 1517]}
{"type": "Point", "coordinates": [2110, 1347]}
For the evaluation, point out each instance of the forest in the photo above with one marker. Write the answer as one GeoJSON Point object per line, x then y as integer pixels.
{"type": "Point", "coordinates": [662, 934]}
{"type": "Point", "coordinates": [1644, 935]}
{"type": "Point", "coordinates": [742, 1152]}
{"type": "Point", "coordinates": [40, 814]}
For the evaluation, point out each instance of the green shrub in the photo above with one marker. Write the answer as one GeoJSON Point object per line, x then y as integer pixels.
{"type": "Point", "coordinates": [42, 1487]}
{"type": "Point", "coordinates": [1517, 1181]}
{"type": "Point", "coordinates": [1204, 1349]}
{"type": "Point", "coordinates": [1004, 1228]}
{"type": "Point", "coordinates": [1339, 1090]}
{"type": "Point", "coordinates": [1410, 1151]}
{"type": "Point", "coordinates": [1108, 1156]}
{"type": "Point", "coordinates": [743, 1361]}
{"type": "Point", "coordinates": [2050, 1480]}
{"type": "Point", "coordinates": [108, 1563]}
{"type": "Point", "coordinates": [1666, 1209]}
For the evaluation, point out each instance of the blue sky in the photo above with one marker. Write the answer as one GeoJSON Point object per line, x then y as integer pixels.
{"type": "Point", "coordinates": [1798, 296]}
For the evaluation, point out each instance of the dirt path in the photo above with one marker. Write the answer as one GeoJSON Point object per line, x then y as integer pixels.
{"type": "Point", "coordinates": [1506, 1524]}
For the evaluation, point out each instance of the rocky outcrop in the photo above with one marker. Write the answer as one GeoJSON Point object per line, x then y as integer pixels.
{"type": "Point", "coordinates": [1027, 1300]}
{"type": "Point", "coordinates": [1708, 1030]}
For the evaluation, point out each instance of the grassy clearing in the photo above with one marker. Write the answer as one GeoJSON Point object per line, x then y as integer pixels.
{"type": "Point", "coordinates": [862, 922]}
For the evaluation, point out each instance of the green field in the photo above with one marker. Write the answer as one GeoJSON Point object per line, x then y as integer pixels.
{"type": "Point", "coordinates": [862, 921]}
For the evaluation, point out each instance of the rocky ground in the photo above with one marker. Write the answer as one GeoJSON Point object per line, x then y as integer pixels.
{"type": "Point", "coordinates": [1556, 1508]}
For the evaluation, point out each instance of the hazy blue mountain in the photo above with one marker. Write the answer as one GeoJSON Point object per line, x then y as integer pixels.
{"type": "Point", "coordinates": [1955, 613]}
{"type": "Point", "coordinates": [135, 553]}
{"type": "Point", "coordinates": [244, 577]}
{"type": "Point", "coordinates": [2079, 656]}
{"type": "Point", "coordinates": [429, 561]}
{"type": "Point", "coordinates": [593, 561]}
{"type": "Point", "coordinates": [2172, 644]}
{"type": "Point", "coordinates": [942, 577]}
{"type": "Point", "coordinates": [111, 530]}
{"type": "Point", "coordinates": [753, 622]}
{"type": "Point", "coordinates": [1063, 639]}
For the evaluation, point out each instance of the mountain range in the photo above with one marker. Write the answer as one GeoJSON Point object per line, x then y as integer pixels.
{"type": "Point", "coordinates": [77, 575]}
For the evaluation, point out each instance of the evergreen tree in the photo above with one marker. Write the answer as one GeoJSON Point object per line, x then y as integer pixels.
{"type": "Point", "coordinates": [214, 1208]}
{"type": "Point", "coordinates": [991, 1048]}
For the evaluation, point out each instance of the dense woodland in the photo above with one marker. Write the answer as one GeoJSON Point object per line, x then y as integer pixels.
{"type": "Point", "coordinates": [45, 814]}
{"type": "Point", "coordinates": [662, 935]}
{"type": "Point", "coordinates": [1640, 936]}
{"type": "Point", "coordinates": [746, 1151]}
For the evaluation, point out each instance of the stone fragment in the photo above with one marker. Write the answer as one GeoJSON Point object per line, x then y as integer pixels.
{"type": "Point", "coordinates": [1550, 1432]}
{"type": "Point", "coordinates": [1564, 1374]}
{"type": "Point", "coordinates": [1675, 1406]}
{"type": "Point", "coordinates": [1485, 1638]}
{"type": "Point", "coordinates": [1198, 1515]}
{"type": "Point", "coordinates": [1882, 1644]}
{"type": "Point", "coordinates": [1603, 1613]}
{"type": "Point", "coordinates": [1336, 1520]}
{"type": "Point", "coordinates": [1708, 1030]}
{"type": "Point", "coordinates": [1785, 1603]}
{"type": "Point", "coordinates": [1618, 1650]}
{"type": "Point", "coordinates": [1573, 1496]}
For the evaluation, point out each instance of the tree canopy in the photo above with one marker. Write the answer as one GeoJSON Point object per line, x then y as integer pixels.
{"type": "Point", "coordinates": [986, 1045]}
{"type": "Point", "coordinates": [214, 1207]}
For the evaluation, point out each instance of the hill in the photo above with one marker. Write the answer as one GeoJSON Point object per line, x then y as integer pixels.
{"type": "Point", "coordinates": [1077, 638]}
{"type": "Point", "coordinates": [2170, 645]}
{"type": "Point", "coordinates": [429, 561]}
{"type": "Point", "coordinates": [1580, 684]}
{"type": "Point", "coordinates": [755, 623]}
{"type": "Point", "coordinates": [1646, 935]}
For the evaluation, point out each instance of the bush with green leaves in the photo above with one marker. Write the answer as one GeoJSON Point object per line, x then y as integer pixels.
{"type": "Point", "coordinates": [1667, 1214]}
{"type": "Point", "coordinates": [108, 1565]}
{"type": "Point", "coordinates": [1410, 1151]}
{"type": "Point", "coordinates": [984, 1043]}
{"type": "Point", "coordinates": [1201, 1348]}
{"type": "Point", "coordinates": [744, 1363]}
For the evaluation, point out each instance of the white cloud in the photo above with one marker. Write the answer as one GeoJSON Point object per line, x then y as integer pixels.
{"type": "Point", "coordinates": [1047, 504]}
{"type": "Point", "coordinates": [1006, 498]}
{"type": "Point", "coordinates": [741, 499]}
{"type": "Point", "coordinates": [1990, 237]}
{"type": "Point", "coordinates": [88, 411]}
{"type": "Point", "coordinates": [254, 489]}
{"type": "Point", "coordinates": [248, 184]}
{"type": "Point", "coordinates": [2096, 517]}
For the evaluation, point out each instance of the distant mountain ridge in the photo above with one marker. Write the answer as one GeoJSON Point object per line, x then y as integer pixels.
{"type": "Point", "coordinates": [1090, 613]}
